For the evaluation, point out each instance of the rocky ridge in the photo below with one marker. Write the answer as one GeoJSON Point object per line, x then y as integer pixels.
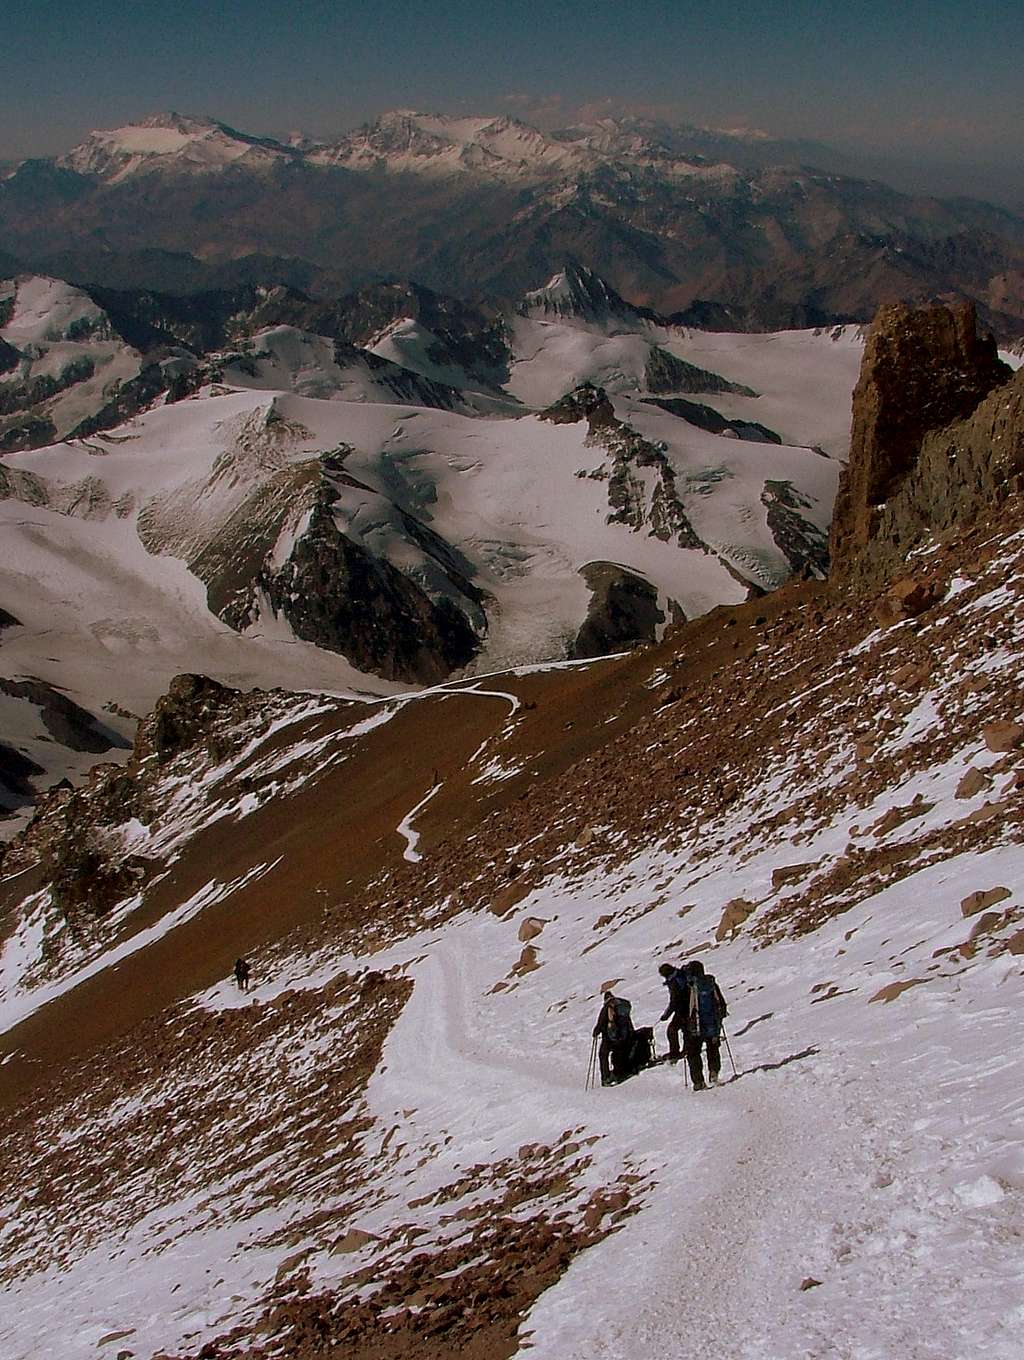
{"type": "Point", "coordinates": [919, 464]}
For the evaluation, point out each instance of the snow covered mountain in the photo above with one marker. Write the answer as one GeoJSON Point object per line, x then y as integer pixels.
{"type": "Point", "coordinates": [248, 498]}
{"type": "Point", "coordinates": [387, 1146]}
{"type": "Point", "coordinates": [436, 146]}
{"type": "Point", "coordinates": [739, 230]}
{"type": "Point", "coordinates": [170, 143]}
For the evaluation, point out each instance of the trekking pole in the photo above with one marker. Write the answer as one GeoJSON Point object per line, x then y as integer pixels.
{"type": "Point", "coordinates": [590, 1065]}
{"type": "Point", "coordinates": [728, 1049]}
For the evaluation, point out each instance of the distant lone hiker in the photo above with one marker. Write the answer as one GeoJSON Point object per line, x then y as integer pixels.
{"type": "Point", "coordinates": [615, 1028]}
{"type": "Point", "coordinates": [242, 975]}
{"type": "Point", "coordinates": [706, 1010]}
{"type": "Point", "coordinates": [677, 980]}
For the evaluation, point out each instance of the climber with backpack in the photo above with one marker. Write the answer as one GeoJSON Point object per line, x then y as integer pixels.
{"type": "Point", "coordinates": [615, 1029]}
{"type": "Point", "coordinates": [706, 1009]}
{"type": "Point", "coordinates": [677, 981]}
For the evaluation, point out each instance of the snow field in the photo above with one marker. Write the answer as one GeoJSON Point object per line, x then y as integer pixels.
{"type": "Point", "coordinates": [871, 1147]}
{"type": "Point", "coordinates": [504, 493]}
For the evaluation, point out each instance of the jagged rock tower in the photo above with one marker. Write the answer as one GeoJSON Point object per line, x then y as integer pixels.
{"type": "Point", "coordinates": [938, 434]}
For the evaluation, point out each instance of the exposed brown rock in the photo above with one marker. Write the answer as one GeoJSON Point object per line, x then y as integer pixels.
{"type": "Point", "coordinates": [985, 813]}
{"type": "Point", "coordinates": [789, 873]}
{"type": "Point", "coordinates": [922, 370]}
{"type": "Point", "coordinates": [1003, 736]}
{"type": "Point", "coordinates": [508, 897]}
{"type": "Point", "coordinates": [530, 929]}
{"type": "Point", "coordinates": [897, 816]}
{"type": "Point", "coordinates": [905, 600]}
{"type": "Point", "coordinates": [985, 924]}
{"type": "Point", "coordinates": [978, 901]}
{"type": "Point", "coordinates": [892, 990]}
{"type": "Point", "coordinates": [181, 716]}
{"type": "Point", "coordinates": [529, 961]}
{"type": "Point", "coordinates": [736, 912]}
{"type": "Point", "coordinates": [973, 783]}
{"type": "Point", "coordinates": [910, 676]}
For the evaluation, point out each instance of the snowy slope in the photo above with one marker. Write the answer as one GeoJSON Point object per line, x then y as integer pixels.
{"type": "Point", "coordinates": [284, 358]}
{"type": "Point", "coordinates": [412, 1158]}
{"type": "Point", "coordinates": [173, 143]}
{"type": "Point", "coordinates": [804, 379]}
{"type": "Point", "coordinates": [410, 344]}
{"type": "Point", "coordinates": [550, 358]}
{"type": "Point", "coordinates": [71, 360]}
{"type": "Point", "coordinates": [122, 570]}
{"type": "Point", "coordinates": [800, 381]}
{"type": "Point", "coordinates": [520, 500]}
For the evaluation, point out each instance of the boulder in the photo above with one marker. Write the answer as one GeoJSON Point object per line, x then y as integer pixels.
{"type": "Point", "coordinates": [905, 600]}
{"type": "Point", "coordinates": [909, 676]}
{"type": "Point", "coordinates": [790, 873]}
{"type": "Point", "coordinates": [1003, 736]}
{"type": "Point", "coordinates": [531, 928]}
{"type": "Point", "coordinates": [529, 960]}
{"type": "Point", "coordinates": [735, 913]}
{"type": "Point", "coordinates": [978, 901]}
{"type": "Point", "coordinates": [973, 782]}
{"type": "Point", "coordinates": [507, 898]}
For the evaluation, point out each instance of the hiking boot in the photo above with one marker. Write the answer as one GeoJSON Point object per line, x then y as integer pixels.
{"type": "Point", "coordinates": [712, 1078]}
{"type": "Point", "coordinates": [699, 1086]}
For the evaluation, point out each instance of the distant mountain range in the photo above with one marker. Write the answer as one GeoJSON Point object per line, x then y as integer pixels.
{"type": "Point", "coordinates": [727, 230]}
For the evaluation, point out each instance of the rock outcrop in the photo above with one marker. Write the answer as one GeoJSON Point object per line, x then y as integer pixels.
{"type": "Point", "coordinates": [623, 611]}
{"type": "Point", "coordinates": [341, 597]}
{"type": "Point", "coordinates": [927, 450]}
{"type": "Point", "coordinates": [188, 711]}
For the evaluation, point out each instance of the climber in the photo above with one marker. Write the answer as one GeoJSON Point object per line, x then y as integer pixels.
{"type": "Point", "coordinates": [242, 975]}
{"type": "Point", "coordinates": [677, 981]}
{"type": "Point", "coordinates": [615, 1029]}
{"type": "Point", "coordinates": [706, 1010]}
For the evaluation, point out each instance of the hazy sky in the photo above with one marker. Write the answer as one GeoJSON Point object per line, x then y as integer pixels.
{"type": "Point", "coordinates": [937, 80]}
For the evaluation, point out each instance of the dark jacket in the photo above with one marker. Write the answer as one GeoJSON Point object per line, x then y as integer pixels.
{"type": "Point", "coordinates": [678, 984]}
{"type": "Point", "coordinates": [614, 1023]}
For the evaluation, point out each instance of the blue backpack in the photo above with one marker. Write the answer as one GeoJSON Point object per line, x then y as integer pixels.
{"type": "Point", "coordinates": [704, 1008]}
